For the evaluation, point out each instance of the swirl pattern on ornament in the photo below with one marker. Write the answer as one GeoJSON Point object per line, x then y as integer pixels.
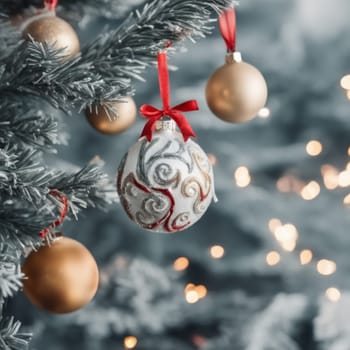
{"type": "Point", "coordinates": [194, 186]}
{"type": "Point", "coordinates": [154, 206]}
{"type": "Point", "coordinates": [181, 221]}
{"type": "Point", "coordinates": [165, 164]}
{"type": "Point", "coordinates": [154, 209]}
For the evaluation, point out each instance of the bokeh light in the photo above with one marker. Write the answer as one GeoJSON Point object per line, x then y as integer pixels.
{"type": "Point", "coordinates": [288, 246]}
{"type": "Point", "coordinates": [201, 291]}
{"type": "Point", "coordinates": [217, 251]}
{"type": "Point", "coordinates": [181, 264]}
{"type": "Point", "coordinates": [287, 232]}
{"type": "Point", "coordinates": [314, 148]}
{"type": "Point", "coordinates": [326, 267]}
{"type": "Point", "coordinates": [345, 82]}
{"type": "Point", "coordinates": [130, 342]}
{"type": "Point", "coordinates": [287, 236]}
{"type": "Point", "coordinates": [289, 183]}
{"type": "Point", "coordinates": [189, 286]}
{"type": "Point", "coordinates": [284, 184]}
{"type": "Point", "coordinates": [330, 176]}
{"type": "Point", "coordinates": [344, 178]}
{"type": "Point", "coordinates": [310, 191]}
{"type": "Point", "coordinates": [192, 296]}
{"type": "Point", "coordinates": [264, 113]}
{"type": "Point", "coordinates": [274, 224]}
{"type": "Point", "coordinates": [199, 341]}
{"type": "Point", "coordinates": [273, 258]}
{"type": "Point", "coordinates": [305, 256]}
{"type": "Point", "coordinates": [242, 176]}
{"type": "Point", "coordinates": [346, 200]}
{"type": "Point", "coordinates": [333, 294]}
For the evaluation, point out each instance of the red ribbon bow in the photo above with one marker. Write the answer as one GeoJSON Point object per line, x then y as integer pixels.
{"type": "Point", "coordinates": [227, 24]}
{"type": "Point", "coordinates": [50, 4]}
{"type": "Point", "coordinates": [154, 114]}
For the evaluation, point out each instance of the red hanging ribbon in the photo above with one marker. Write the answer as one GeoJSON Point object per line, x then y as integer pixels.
{"type": "Point", "coordinates": [227, 24]}
{"type": "Point", "coordinates": [154, 114]}
{"type": "Point", "coordinates": [51, 4]}
{"type": "Point", "coordinates": [63, 214]}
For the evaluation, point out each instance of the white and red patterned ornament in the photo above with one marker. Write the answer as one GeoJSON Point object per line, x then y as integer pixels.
{"type": "Point", "coordinates": [165, 181]}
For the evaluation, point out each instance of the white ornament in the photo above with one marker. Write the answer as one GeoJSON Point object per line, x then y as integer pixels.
{"type": "Point", "coordinates": [165, 185]}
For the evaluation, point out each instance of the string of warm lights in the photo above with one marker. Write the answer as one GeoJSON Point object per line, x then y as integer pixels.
{"type": "Point", "coordinates": [194, 293]}
{"type": "Point", "coordinates": [286, 234]}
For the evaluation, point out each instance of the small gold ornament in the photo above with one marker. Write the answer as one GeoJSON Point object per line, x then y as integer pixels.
{"type": "Point", "coordinates": [55, 31]}
{"type": "Point", "coordinates": [236, 91]}
{"type": "Point", "coordinates": [118, 122]}
{"type": "Point", "coordinates": [61, 277]}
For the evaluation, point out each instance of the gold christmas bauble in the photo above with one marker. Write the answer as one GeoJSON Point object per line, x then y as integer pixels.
{"type": "Point", "coordinates": [61, 277]}
{"type": "Point", "coordinates": [236, 92]}
{"type": "Point", "coordinates": [118, 122]}
{"type": "Point", "coordinates": [54, 31]}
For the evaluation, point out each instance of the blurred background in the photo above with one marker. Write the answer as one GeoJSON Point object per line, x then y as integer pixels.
{"type": "Point", "coordinates": [267, 267]}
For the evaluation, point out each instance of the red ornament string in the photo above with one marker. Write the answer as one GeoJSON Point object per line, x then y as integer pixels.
{"type": "Point", "coordinates": [50, 4]}
{"type": "Point", "coordinates": [154, 114]}
{"type": "Point", "coordinates": [227, 24]}
{"type": "Point", "coordinates": [63, 214]}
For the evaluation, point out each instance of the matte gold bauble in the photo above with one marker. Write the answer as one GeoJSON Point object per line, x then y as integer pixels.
{"type": "Point", "coordinates": [55, 31]}
{"type": "Point", "coordinates": [119, 121]}
{"type": "Point", "coordinates": [236, 91]}
{"type": "Point", "coordinates": [61, 277]}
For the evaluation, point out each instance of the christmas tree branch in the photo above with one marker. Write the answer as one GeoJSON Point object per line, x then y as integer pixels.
{"type": "Point", "coordinates": [37, 69]}
{"type": "Point", "coordinates": [126, 51]}
{"type": "Point", "coordinates": [21, 221]}
{"type": "Point", "coordinates": [88, 187]}
{"type": "Point", "coordinates": [105, 8]}
{"type": "Point", "coordinates": [20, 225]}
{"type": "Point", "coordinates": [96, 8]}
{"type": "Point", "coordinates": [106, 66]}
{"type": "Point", "coordinates": [10, 274]}
{"type": "Point", "coordinates": [32, 182]}
{"type": "Point", "coordinates": [10, 336]}
{"type": "Point", "coordinates": [135, 290]}
{"type": "Point", "coordinates": [24, 122]}
{"type": "Point", "coordinates": [277, 327]}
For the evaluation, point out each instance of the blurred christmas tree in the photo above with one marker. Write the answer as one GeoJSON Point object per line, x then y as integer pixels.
{"type": "Point", "coordinates": [267, 267]}
{"type": "Point", "coordinates": [47, 71]}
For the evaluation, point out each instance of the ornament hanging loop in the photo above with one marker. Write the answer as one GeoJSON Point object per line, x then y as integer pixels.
{"type": "Point", "coordinates": [227, 24]}
{"type": "Point", "coordinates": [50, 4]}
{"type": "Point", "coordinates": [233, 57]}
{"type": "Point", "coordinates": [63, 214]}
{"type": "Point", "coordinates": [154, 114]}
